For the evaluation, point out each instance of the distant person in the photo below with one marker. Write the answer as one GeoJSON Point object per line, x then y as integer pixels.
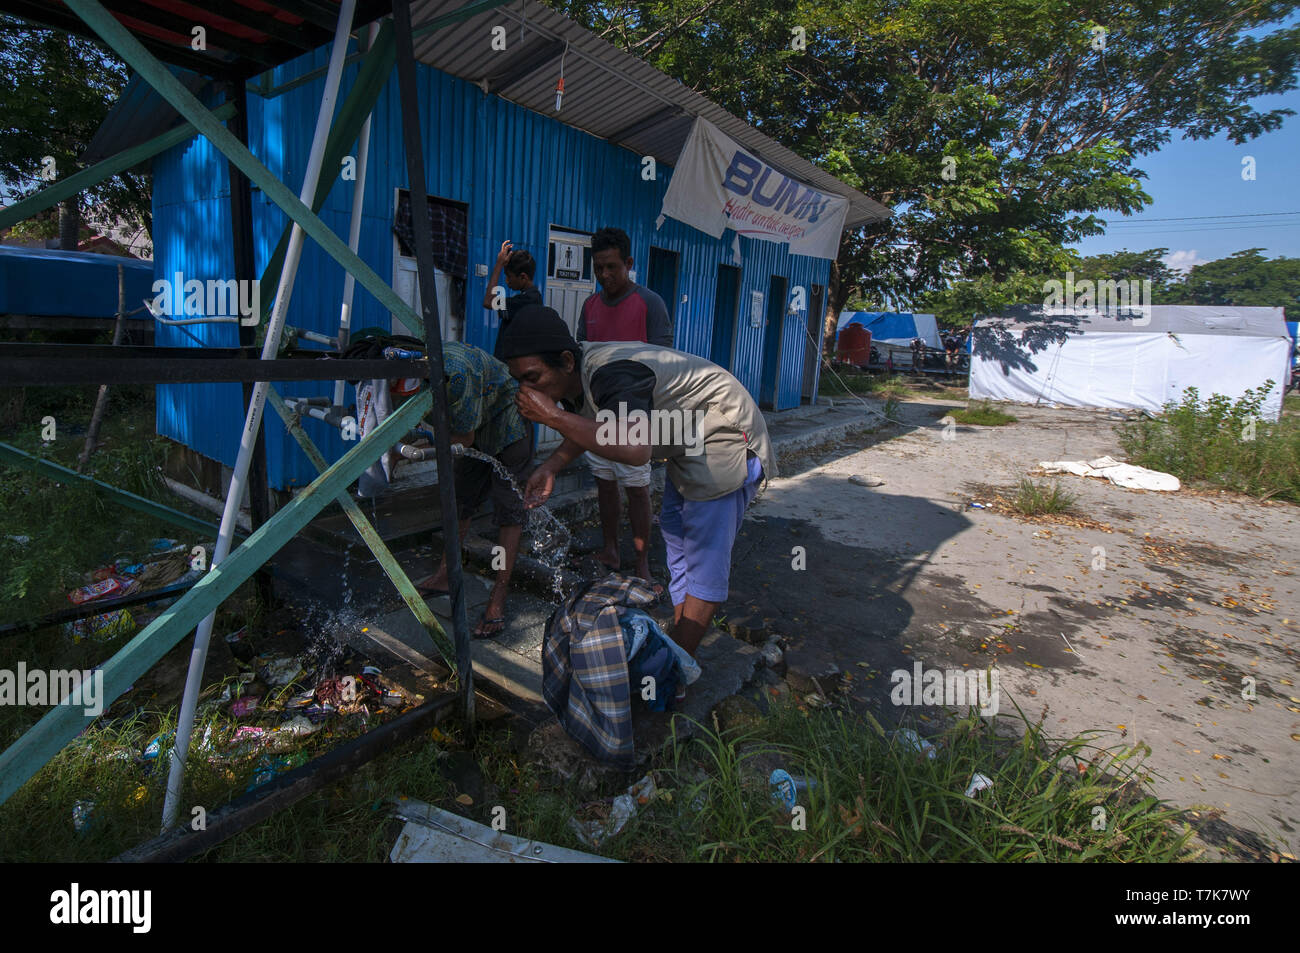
{"type": "Point", "coordinates": [918, 354]}
{"type": "Point", "coordinates": [520, 268]}
{"type": "Point", "coordinates": [622, 311]}
{"type": "Point", "coordinates": [951, 345]}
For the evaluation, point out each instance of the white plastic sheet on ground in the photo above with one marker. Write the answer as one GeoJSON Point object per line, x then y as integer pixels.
{"type": "Point", "coordinates": [1120, 474]}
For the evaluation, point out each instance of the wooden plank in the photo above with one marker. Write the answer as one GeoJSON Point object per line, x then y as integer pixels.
{"type": "Point", "coordinates": [45, 739]}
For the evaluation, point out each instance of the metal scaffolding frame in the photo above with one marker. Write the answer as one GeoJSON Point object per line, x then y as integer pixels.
{"type": "Point", "coordinates": [391, 44]}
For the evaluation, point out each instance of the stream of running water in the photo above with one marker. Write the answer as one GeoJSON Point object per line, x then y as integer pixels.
{"type": "Point", "coordinates": [551, 538]}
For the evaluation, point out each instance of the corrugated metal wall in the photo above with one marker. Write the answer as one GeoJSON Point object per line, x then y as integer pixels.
{"type": "Point", "coordinates": [519, 172]}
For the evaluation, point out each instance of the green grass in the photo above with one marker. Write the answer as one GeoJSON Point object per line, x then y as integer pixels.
{"type": "Point", "coordinates": [873, 800]}
{"type": "Point", "coordinates": [1035, 499]}
{"type": "Point", "coordinates": [1222, 443]}
{"type": "Point", "coordinates": [985, 415]}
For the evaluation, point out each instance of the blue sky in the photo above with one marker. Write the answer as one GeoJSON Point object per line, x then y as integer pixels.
{"type": "Point", "coordinates": [1192, 180]}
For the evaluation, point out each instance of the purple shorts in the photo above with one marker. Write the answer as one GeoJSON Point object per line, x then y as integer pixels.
{"type": "Point", "coordinates": [698, 536]}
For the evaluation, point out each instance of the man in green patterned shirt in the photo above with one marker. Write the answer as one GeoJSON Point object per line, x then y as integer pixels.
{"type": "Point", "coordinates": [482, 414]}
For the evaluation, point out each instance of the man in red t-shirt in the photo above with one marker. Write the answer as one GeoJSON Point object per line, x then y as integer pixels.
{"type": "Point", "coordinates": [622, 311]}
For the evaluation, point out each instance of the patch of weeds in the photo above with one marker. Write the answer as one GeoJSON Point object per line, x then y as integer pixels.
{"type": "Point", "coordinates": [1034, 499]}
{"type": "Point", "coordinates": [1219, 442]}
{"type": "Point", "coordinates": [985, 415]}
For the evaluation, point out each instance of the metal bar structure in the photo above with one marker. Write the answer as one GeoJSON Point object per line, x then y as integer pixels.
{"type": "Point", "coordinates": [97, 607]}
{"type": "Point", "coordinates": [383, 555]}
{"type": "Point", "coordinates": [253, 420]}
{"type": "Point", "coordinates": [24, 758]}
{"type": "Point", "coordinates": [80, 181]}
{"type": "Point", "coordinates": [184, 102]}
{"type": "Point", "coordinates": [423, 235]}
{"type": "Point", "coordinates": [241, 239]}
{"type": "Point", "coordinates": [354, 226]}
{"type": "Point", "coordinates": [43, 741]}
{"type": "Point", "coordinates": [35, 365]}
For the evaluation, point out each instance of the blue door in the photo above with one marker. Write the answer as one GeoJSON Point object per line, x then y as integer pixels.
{"type": "Point", "coordinates": [661, 278]}
{"type": "Point", "coordinates": [773, 329]}
{"type": "Point", "coordinates": [725, 301]}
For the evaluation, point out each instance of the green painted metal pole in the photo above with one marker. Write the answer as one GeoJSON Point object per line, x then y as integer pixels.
{"type": "Point", "coordinates": [45, 739]}
{"type": "Point", "coordinates": [63, 475]}
{"type": "Point", "coordinates": [172, 90]}
{"type": "Point", "coordinates": [370, 536]}
{"type": "Point", "coordinates": [80, 181]}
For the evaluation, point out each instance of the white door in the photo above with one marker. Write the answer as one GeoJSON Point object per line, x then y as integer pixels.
{"type": "Point", "coordinates": [569, 282]}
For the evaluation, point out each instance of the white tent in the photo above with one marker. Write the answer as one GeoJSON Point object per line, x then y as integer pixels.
{"type": "Point", "coordinates": [1138, 361]}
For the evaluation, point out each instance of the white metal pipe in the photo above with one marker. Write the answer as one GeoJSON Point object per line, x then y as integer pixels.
{"type": "Point", "coordinates": [253, 421]}
{"type": "Point", "coordinates": [354, 227]}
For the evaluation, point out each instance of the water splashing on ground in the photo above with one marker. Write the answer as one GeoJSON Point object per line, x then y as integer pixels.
{"type": "Point", "coordinates": [550, 537]}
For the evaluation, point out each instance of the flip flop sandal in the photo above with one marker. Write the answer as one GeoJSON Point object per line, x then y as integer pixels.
{"type": "Point", "coordinates": [485, 623]}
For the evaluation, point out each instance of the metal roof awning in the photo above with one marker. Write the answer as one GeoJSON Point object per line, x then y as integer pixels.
{"type": "Point", "coordinates": [608, 93]}
{"type": "Point", "coordinates": [242, 37]}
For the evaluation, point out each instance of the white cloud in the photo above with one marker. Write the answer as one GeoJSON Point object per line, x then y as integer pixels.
{"type": "Point", "coordinates": [1183, 261]}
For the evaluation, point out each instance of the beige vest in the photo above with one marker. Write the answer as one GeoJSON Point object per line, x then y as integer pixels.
{"type": "Point", "coordinates": [731, 423]}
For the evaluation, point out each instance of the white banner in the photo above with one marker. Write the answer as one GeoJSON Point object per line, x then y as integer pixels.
{"type": "Point", "coordinates": [718, 185]}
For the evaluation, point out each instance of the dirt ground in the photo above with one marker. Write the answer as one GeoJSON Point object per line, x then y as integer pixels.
{"type": "Point", "coordinates": [1151, 620]}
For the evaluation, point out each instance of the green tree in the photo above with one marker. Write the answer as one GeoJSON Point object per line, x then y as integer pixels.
{"type": "Point", "coordinates": [1246, 279]}
{"type": "Point", "coordinates": [55, 90]}
{"type": "Point", "coordinates": [998, 130]}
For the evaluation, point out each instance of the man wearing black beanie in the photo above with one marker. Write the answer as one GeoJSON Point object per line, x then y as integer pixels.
{"type": "Point", "coordinates": [628, 401]}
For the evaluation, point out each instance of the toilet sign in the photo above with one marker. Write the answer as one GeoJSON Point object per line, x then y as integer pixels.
{"type": "Point", "coordinates": [568, 260]}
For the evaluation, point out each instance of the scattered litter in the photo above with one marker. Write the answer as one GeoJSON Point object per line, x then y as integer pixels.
{"type": "Point", "coordinates": [83, 813]}
{"type": "Point", "coordinates": [772, 654]}
{"type": "Point", "coordinates": [1120, 474]}
{"type": "Point", "coordinates": [623, 808]}
{"type": "Point", "coordinates": [861, 480]}
{"type": "Point", "coordinates": [242, 707]}
{"type": "Point", "coordinates": [432, 835]}
{"type": "Point", "coordinates": [916, 742]}
{"type": "Point", "coordinates": [155, 747]}
{"type": "Point", "coordinates": [978, 782]}
{"type": "Point", "coordinates": [102, 627]}
{"type": "Point", "coordinates": [241, 647]}
{"type": "Point", "coordinates": [787, 787]}
{"type": "Point", "coordinates": [97, 590]}
{"type": "Point", "coordinates": [268, 768]}
{"type": "Point", "coordinates": [280, 671]}
{"type": "Point", "coordinates": [978, 506]}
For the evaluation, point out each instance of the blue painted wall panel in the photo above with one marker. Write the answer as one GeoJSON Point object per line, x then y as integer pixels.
{"type": "Point", "coordinates": [518, 171]}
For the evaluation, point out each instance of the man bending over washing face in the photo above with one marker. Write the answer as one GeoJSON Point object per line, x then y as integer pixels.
{"type": "Point", "coordinates": [700, 418]}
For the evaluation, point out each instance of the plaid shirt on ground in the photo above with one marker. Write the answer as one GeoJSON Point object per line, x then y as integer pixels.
{"type": "Point", "coordinates": [585, 678]}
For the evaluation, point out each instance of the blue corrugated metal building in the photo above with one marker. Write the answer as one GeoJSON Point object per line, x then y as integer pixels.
{"type": "Point", "coordinates": [516, 173]}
